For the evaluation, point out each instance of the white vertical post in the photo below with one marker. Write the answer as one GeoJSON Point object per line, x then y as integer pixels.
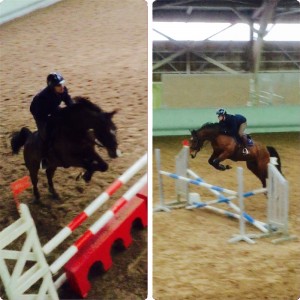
{"type": "Point", "coordinates": [181, 163]}
{"type": "Point", "coordinates": [161, 206]}
{"type": "Point", "coordinates": [242, 236]}
{"type": "Point", "coordinates": [278, 205]}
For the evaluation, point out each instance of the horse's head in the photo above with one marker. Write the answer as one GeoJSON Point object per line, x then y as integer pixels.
{"type": "Point", "coordinates": [94, 118]}
{"type": "Point", "coordinates": [195, 143]}
{"type": "Point", "coordinates": [207, 132]}
{"type": "Point", "coordinates": [105, 133]}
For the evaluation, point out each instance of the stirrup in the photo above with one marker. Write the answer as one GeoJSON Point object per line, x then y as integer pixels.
{"type": "Point", "coordinates": [245, 151]}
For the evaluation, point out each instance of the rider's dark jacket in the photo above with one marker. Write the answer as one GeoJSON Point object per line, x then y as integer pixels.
{"type": "Point", "coordinates": [232, 123]}
{"type": "Point", "coordinates": [46, 102]}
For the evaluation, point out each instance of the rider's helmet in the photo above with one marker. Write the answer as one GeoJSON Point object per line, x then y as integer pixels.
{"type": "Point", "coordinates": [54, 79]}
{"type": "Point", "coordinates": [221, 112]}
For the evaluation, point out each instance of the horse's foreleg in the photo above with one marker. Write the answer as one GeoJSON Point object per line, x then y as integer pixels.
{"type": "Point", "coordinates": [215, 160]}
{"type": "Point", "coordinates": [50, 173]}
{"type": "Point", "coordinates": [94, 163]}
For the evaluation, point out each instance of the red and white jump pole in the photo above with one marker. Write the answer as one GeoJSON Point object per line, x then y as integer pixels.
{"type": "Point", "coordinates": [115, 221]}
{"type": "Point", "coordinates": [100, 223]}
{"type": "Point", "coordinates": [100, 200]}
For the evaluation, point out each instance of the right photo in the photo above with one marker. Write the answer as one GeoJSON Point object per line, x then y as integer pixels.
{"type": "Point", "coordinates": [226, 149]}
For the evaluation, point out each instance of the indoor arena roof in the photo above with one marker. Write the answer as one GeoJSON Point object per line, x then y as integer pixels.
{"type": "Point", "coordinates": [285, 11]}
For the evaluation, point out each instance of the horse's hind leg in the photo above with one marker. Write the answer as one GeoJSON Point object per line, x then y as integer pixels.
{"type": "Point", "coordinates": [34, 180]}
{"type": "Point", "coordinates": [50, 173]}
{"type": "Point", "coordinates": [259, 171]}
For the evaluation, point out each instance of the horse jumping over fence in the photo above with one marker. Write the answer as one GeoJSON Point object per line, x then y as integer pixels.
{"type": "Point", "coordinates": [77, 129]}
{"type": "Point", "coordinates": [225, 147]}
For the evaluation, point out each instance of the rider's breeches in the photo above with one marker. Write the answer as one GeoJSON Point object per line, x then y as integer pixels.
{"type": "Point", "coordinates": [242, 129]}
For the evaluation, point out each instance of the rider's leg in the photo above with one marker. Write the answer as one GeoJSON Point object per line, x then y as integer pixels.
{"type": "Point", "coordinates": [41, 126]}
{"type": "Point", "coordinates": [50, 138]}
{"type": "Point", "coordinates": [42, 130]}
{"type": "Point", "coordinates": [243, 137]}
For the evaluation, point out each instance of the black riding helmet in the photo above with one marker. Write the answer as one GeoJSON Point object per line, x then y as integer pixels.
{"type": "Point", "coordinates": [221, 112]}
{"type": "Point", "coordinates": [54, 79]}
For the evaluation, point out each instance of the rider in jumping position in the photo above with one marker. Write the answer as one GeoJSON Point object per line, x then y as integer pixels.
{"type": "Point", "coordinates": [235, 125]}
{"type": "Point", "coordinates": [46, 103]}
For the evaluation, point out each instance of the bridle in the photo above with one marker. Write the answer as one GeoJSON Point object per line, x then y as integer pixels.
{"type": "Point", "coordinates": [198, 146]}
{"type": "Point", "coordinates": [95, 140]}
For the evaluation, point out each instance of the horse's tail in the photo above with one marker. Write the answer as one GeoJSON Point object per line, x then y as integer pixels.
{"type": "Point", "coordinates": [274, 154]}
{"type": "Point", "coordinates": [18, 139]}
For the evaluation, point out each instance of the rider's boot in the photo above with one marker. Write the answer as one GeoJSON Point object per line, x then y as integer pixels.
{"type": "Point", "coordinates": [245, 143]}
{"type": "Point", "coordinates": [47, 149]}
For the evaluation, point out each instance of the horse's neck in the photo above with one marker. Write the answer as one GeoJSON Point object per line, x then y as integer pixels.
{"type": "Point", "coordinates": [208, 135]}
{"type": "Point", "coordinates": [79, 120]}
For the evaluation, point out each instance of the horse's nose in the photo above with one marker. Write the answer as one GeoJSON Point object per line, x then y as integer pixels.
{"type": "Point", "coordinates": [193, 154]}
{"type": "Point", "coordinates": [114, 153]}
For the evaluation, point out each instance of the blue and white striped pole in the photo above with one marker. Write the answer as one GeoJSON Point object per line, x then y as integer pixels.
{"type": "Point", "coordinates": [199, 183]}
{"type": "Point", "coordinates": [260, 225]}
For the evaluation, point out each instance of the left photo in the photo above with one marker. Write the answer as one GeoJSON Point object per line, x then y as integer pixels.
{"type": "Point", "coordinates": [73, 149]}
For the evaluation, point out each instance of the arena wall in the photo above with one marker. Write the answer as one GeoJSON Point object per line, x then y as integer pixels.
{"type": "Point", "coordinates": [183, 102]}
{"type": "Point", "coordinates": [173, 121]}
{"type": "Point", "coordinates": [11, 9]}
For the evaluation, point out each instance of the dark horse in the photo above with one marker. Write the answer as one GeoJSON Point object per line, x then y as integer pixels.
{"type": "Point", "coordinates": [225, 147]}
{"type": "Point", "coordinates": [76, 130]}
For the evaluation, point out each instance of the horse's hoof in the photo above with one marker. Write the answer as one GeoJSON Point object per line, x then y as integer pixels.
{"type": "Point", "coordinates": [36, 194]}
{"type": "Point", "coordinates": [36, 201]}
{"type": "Point", "coordinates": [79, 176]}
{"type": "Point", "coordinates": [79, 189]}
{"type": "Point", "coordinates": [53, 193]}
{"type": "Point", "coordinates": [104, 167]}
{"type": "Point", "coordinates": [86, 177]}
{"type": "Point", "coordinates": [228, 167]}
{"type": "Point", "coordinates": [55, 196]}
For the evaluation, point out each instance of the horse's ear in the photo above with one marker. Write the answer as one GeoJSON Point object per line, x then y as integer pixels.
{"type": "Point", "coordinates": [112, 113]}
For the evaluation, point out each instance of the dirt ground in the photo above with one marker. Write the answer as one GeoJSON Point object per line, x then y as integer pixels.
{"type": "Point", "coordinates": [100, 47]}
{"type": "Point", "coordinates": [192, 257]}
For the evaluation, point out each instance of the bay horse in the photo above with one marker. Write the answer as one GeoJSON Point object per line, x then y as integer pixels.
{"type": "Point", "coordinates": [76, 130]}
{"type": "Point", "coordinates": [226, 147]}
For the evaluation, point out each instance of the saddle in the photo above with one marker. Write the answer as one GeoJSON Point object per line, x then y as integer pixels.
{"type": "Point", "coordinates": [249, 140]}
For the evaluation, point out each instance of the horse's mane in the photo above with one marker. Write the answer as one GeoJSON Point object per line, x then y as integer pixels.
{"type": "Point", "coordinates": [209, 125]}
{"type": "Point", "coordinates": [81, 108]}
{"type": "Point", "coordinates": [84, 102]}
